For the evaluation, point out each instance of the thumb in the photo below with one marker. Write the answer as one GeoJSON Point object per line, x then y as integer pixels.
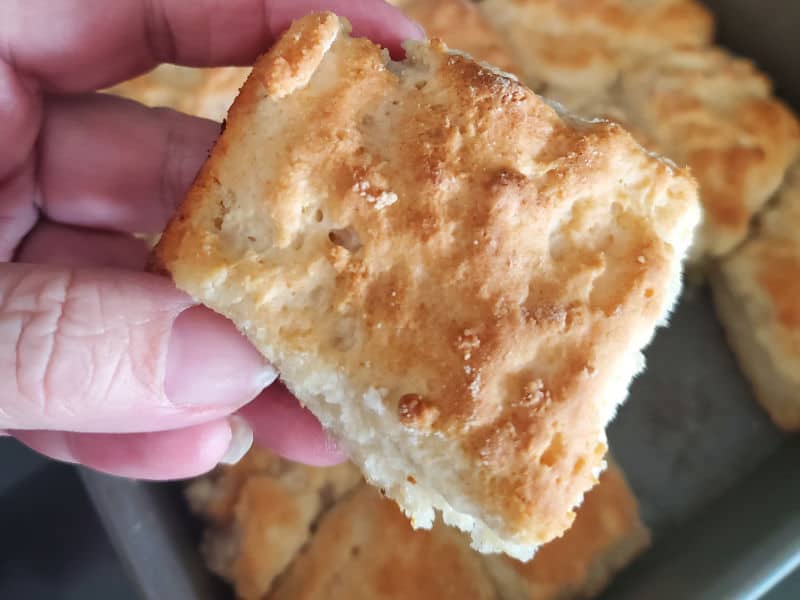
{"type": "Point", "coordinates": [100, 350]}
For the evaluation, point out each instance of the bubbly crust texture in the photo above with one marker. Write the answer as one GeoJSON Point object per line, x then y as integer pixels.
{"type": "Point", "coordinates": [260, 513]}
{"type": "Point", "coordinates": [206, 93]}
{"type": "Point", "coordinates": [456, 280]}
{"type": "Point", "coordinates": [757, 294]}
{"type": "Point", "coordinates": [714, 112]}
{"type": "Point", "coordinates": [575, 50]}
{"type": "Point", "coordinates": [460, 25]}
{"type": "Point", "coordinates": [608, 533]}
{"type": "Point", "coordinates": [365, 549]}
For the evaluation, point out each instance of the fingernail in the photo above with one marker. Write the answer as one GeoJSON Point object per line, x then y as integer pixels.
{"type": "Point", "coordinates": [241, 441]}
{"type": "Point", "coordinates": [209, 363]}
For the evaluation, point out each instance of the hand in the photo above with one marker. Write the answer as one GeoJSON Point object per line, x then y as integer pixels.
{"type": "Point", "coordinates": [100, 363]}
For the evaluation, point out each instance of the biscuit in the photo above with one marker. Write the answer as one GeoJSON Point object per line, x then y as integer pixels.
{"type": "Point", "coordinates": [460, 25]}
{"type": "Point", "coordinates": [260, 513]}
{"type": "Point", "coordinates": [365, 549]}
{"type": "Point", "coordinates": [757, 296]}
{"type": "Point", "coordinates": [608, 533]}
{"type": "Point", "coordinates": [454, 278]}
{"type": "Point", "coordinates": [206, 93]}
{"type": "Point", "coordinates": [715, 113]}
{"type": "Point", "coordinates": [166, 85]}
{"type": "Point", "coordinates": [575, 50]}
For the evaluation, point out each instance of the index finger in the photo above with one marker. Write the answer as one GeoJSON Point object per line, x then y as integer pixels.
{"type": "Point", "coordinates": [72, 46]}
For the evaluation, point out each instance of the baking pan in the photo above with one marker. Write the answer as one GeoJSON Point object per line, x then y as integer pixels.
{"type": "Point", "coordinates": [715, 479]}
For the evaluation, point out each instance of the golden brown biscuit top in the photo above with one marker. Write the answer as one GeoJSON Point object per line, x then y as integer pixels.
{"type": "Point", "coordinates": [677, 22]}
{"type": "Point", "coordinates": [565, 45]}
{"type": "Point", "coordinates": [609, 514]}
{"type": "Point", "coordinates": [437, 232]}
{"type": "Point", "coordinates": [366, 549]}
{"type": "Point", "coordinates": [716, 113]}
{"type": "Point", "coordinates": [460, 25]}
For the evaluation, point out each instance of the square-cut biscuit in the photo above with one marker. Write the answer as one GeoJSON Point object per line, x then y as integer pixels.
{"type": "Point", "coordinates": [714, 112]}
{"type": "Point", "coordinates": [757, 294]}
{"type": "Point", "coordinates": [574, 50]}
{"type": "Point", "coordinates": [454, 278]}
{"type": "Point", "coordinates": [259, 514]}
{"type": "Point", "coordinates": [460, 25]}
{"type": "Point", "coordinates": [608, 533]}
{"type": "Point", "coordinates": [365, 549]}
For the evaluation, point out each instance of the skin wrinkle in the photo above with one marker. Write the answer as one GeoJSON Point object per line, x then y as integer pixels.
{"type": "Point", "coordinates": [5, 294]}
{"type": "Point", "coordinates": [160, 367]}
{"type": "Point", "coordinates": [60, 315]}
{"type": "Point", "coordinates": [151, 377]}
{"type": "Point", "coordinates": [27, 321]}
{"type": "Point", "coordinates": [17, 370]}
{"type": "Point", "coordinates": [115, 372]}
{"type": "Point", "coordinates": [124, 335]}
{"type": "Point", "coordinates": [48, 390]}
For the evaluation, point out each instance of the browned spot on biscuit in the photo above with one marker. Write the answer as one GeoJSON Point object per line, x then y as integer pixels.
{"type": "Point", "coordinates": [415, 411]}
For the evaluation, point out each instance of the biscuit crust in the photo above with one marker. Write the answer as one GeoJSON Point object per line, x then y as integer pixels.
{"type": "Point", "coordinates": [366, 549]}
{"type": "Point", "coordinates": [577, 49]}
{"type": "Point", "coordinates": [715, 112]}
{"type": "Point", "coordinates": [608, 533]}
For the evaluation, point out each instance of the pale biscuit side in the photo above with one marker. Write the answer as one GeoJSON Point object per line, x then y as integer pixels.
{"type": "Point", "coordinates": [757, 294]}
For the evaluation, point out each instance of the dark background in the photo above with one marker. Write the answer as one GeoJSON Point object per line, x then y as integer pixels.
{"type": "Point", "coordinates": [54, 547]}
{"type": "Point", "coordinates": [52, 544]}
